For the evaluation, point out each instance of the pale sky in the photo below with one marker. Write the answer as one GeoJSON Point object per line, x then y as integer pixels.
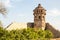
{"type": "Point", "coordinates": [22, 11]}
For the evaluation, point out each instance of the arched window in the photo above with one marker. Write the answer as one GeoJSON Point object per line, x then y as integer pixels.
{"type": "Point", "coordinates": [39, 17]}
{"type": "Point", "coordinates": [41, 10]}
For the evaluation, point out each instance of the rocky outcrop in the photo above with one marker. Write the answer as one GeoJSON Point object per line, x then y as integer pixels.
{"type": "Point", "coordinates": [55, 32]}
{"type": "Point", "coordinates": [16, 25]}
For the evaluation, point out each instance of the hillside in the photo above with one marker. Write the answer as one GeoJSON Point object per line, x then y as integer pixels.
{"type": "Point", "coordinates": [55, 32]}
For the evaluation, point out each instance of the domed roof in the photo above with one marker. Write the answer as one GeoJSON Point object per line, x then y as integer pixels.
{"type": "Point", "coordinates": [39, 7]}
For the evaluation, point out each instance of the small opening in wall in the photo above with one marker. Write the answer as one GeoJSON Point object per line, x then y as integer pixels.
{"type": "Point", "coordinates": [41, 10]}
{"type": "Point", "coordinates": [43, 16]}
{"type": "Point", "coordinates": [39, 17]}
{"type": "Point", "coordinates": [37, 11]}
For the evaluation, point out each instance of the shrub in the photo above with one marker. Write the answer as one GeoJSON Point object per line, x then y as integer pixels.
{"type": "Point", "coordinates": [25, 34]}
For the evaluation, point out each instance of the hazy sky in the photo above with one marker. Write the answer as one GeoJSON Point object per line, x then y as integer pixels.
{"type": "Point", "coordinates": [22, 11]}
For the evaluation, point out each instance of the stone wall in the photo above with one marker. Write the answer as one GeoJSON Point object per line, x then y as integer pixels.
{"type": "Point", "coordinates": [30, 24]}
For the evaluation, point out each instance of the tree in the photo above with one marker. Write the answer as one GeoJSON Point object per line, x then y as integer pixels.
{"type": "Point", "coordinates": [2, 8]}
{"type": "Point", "coordinates": [3, 11]}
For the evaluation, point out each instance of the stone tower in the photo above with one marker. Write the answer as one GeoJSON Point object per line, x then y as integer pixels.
{"type": "Point", "coordinates": [39, 17]}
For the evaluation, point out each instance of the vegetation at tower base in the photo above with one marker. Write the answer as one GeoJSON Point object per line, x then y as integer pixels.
{"type": "Point", "coordinates": [25, 34]}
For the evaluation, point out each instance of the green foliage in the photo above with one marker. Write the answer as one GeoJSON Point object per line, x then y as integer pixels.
{"type": "Point", "coordinates": [48, 34]}
{"type": "Point", "coordinates": [25, 34]}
